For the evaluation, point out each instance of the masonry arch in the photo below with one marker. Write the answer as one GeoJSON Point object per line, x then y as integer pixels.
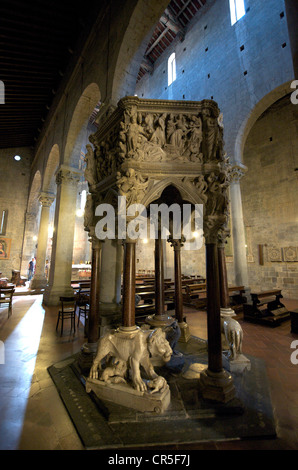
{"type": "Point", "coordinates": [49, 184]}
{"type": "Point", "coordinates": [255, 113]}
{"type": "Point", "coordinates": [186, 190]}
{"type": "Point", "coordinates": [77, 134]}
{"type": "Point", "coordinates": [133, 46]}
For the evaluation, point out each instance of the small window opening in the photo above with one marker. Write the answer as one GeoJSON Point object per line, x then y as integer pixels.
{"type": "Point", "coordinates": [171, 69]}
{"type": "Point", "coordinates": [237, 8]}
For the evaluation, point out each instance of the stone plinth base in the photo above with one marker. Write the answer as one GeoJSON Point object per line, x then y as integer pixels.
{"type": "Point", "coordinates": [86, 356]}
{"type": "Point", "coordinates": [51, 296]}
{"type": "Point", "coordinates": [38, 283]}
{"type": "Point", "coordinates": [237, 365]}
{"type": "Point", "coordinates": [217, 386]}
{"type": "Point", "coordinates": [123, 394]}
{"type": "Point", "coordinates": [185, 334]}
{"type": "Point", "coordinates": [158, 321]}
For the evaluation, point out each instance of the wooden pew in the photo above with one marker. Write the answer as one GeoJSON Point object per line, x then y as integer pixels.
{"type": "Point", "coordinates": [6, 294]}
{"type": "Point", "coordinates": [196, 296]}
{"type": "Point", "coordinates": [192, 292]}
{"type": "Point", "coordinates": [266, 308]}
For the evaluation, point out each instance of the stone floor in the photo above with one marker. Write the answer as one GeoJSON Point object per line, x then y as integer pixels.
{"type": "Point", "coordinates": [33, 417]}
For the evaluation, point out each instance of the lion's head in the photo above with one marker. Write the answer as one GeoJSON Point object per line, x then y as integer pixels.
{"type": "Point", "coordinates": [158, 345]}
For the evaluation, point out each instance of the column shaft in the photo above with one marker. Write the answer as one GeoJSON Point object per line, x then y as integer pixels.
{"type": "Point", "coordinates": [129, 280]}
{"type": "Point", "coordinates": [63, 238]}
{"type": "Point", "coordinates": [223, 278]}
{"type": "Point", "coordinates": [178, 283]}
{"type": "Point", "coordinates": [40, 280]}
{"type": "Point", "coordinates": [93, 317]}
{"type": "Point", "coordinates": [159, 277]}
{"type": "Point", "coordinates": [213, 309]}
{"type": "Point", "coordinates": [240, 263]}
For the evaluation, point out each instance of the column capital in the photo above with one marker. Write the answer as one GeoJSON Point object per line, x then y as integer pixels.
{"type": "Point", "coordinates": [177, 244]}
{"type": "Point", "coordinates": [46, 199]}
{"type": "Point", "coordinates": [222, 236]}
{"type": "Point", "coordinates": [212, 226]}
{"type": "Point", "coordinates": [236, 172]}
{"type": "Point", "coordinates": [68, 175]}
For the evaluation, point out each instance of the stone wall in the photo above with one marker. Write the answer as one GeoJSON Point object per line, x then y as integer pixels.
{"type": "Point", "coordinates": [14, 188]}
{"type": "Point", "coordinates": [234, 65]}
{"type": "Point", "coordinates": [269, 195]}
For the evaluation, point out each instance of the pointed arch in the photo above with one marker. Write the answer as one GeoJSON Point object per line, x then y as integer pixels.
{"type": "Point", "coordinates": [255, 113]}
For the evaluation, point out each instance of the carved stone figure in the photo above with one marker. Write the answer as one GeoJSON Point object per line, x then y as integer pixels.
{"type": "Point", "coordinates": [115, 372]}
{"type": "Point", "coordinates": [158, 137]}
{"type": "Point", "coordinates": [89, 213]}
{"type": "Point", "coordinates": [194, 140]}
{"type": "Point", "coordinates": [132, 185]}
{"type": "Point", "coordinates": [178, 128]}
{"type": "Point", "coordinates": [210, 129]}
{"type": "Point", "coordinates": [233, 334]}
{"type": "Point", "coordinates": [201, 186]}
{"type": "Point", "coordinates": [133, 134]}
{"type": "Point", "coordinates": [90, 171]}
{"type": "Point", "coordinates": [135, 351]}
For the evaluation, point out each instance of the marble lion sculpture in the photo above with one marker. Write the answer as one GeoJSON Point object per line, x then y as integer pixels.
{"type": "Point", "coordinates": [234, 335]}
{"type": "Point", "coordinates": [135, 352]}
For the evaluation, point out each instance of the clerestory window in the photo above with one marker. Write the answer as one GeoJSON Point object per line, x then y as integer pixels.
{"type": "Point", "coordinates": [171, 69]}
{"type": "Point", "coordinates": [237, 8]}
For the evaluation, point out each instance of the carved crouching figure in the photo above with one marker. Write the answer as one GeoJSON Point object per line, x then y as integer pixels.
{"type": "Point", "coordinates": [234, 336]}
{"type": "Point", "coordinates": [134, 352]}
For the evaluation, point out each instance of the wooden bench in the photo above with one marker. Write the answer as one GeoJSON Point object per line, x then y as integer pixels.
{"type": "Point", "coordinates": [237, 298]}
{"type": "Point", "coordinates": [6, 294]}
{"type": "Point", "coordinates": [196, 296]}
{"type": "Point", "coordinates": [192, 292]}
{"type": "Point", "coordinates": [266, 308]}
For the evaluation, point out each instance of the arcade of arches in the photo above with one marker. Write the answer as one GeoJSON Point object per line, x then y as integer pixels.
{"type": "Point", "coordinates": [221, 136]}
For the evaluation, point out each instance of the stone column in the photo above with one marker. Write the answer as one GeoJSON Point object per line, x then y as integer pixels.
{"type": "Point", "coordinates": [216, 384]}
{"type": "Point", "coordinates": [67, 179]}
{"type": "Point", "coordinates": [40, 281]}
{"type": "Point", "coordinates": [160, 318]}
{"type": "Point", "coordinates": [225, 307]}
{"type": "Point", "coordinates": [129, 285]}
{"type": "Point", "coordinates": [240, 262]}
{"type": "Point", "coordinates": [110, 286]}
{"type": "Point", "coordinates": [177, 245]}
{"type": "Point", "coordinates": [93, 316]}
{"type": "Point", "coordinates": [89, 349]}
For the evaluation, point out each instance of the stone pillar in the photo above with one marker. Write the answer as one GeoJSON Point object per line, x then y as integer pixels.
{"type": "Point", "coordinates": [93, 316]}
{"type": "Point", "coordinates": [129, 285]}
{"type": "Point", "coordinates": [160, 318]}
{"type": "Point", "coordinates": [67, 179]}
{"type": "Point", "coordinates": [185, 335]}
{"type": "Point", "coordinates": [110, 286]}
{"type": "Point", "coordinates": [40, 281]}
{"type": "Point", "coordinates": [225, 307]}
{"type": "Point", "coordinates": [216, 384]}
{"type": "Point", "coordinates": [240, 262]}
{"type": "Point", "coordinates": [89, 349]}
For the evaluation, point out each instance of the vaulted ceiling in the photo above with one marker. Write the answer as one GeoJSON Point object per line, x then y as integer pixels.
{"type": "Point", "coordinates": [37, 40]}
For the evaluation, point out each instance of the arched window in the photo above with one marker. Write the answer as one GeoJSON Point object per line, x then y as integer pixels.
{"type": "Point", "coordinates": [237, 8]}
{"type": "Point", "coordinates": [171, 69]}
